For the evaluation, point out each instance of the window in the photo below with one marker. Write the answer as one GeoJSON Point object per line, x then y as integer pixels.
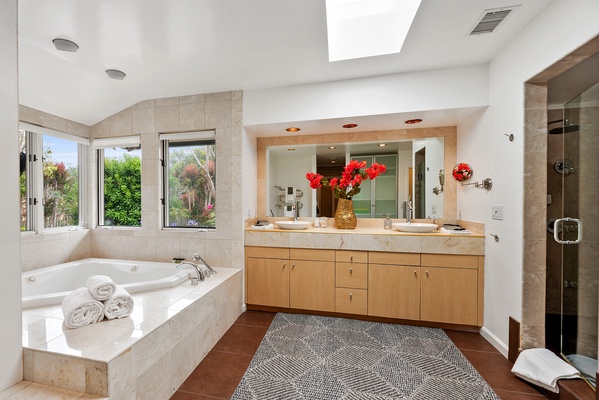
{"type": "Point", "coordinates": [189, 180]}
{"type": "Point", "coordinates": [51, 170]}
{"type": "Point", "coordinates": [119, 181]}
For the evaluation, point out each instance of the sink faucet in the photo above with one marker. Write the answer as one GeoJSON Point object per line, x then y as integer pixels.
{"type": "Point", "coordinates": [296, 209]}
{"type": "Point", "coordinates": [196, 267]}
{"type": "Point", "coordinates": [409, 214]}
{"type": "Point", "coordinates": [196, 257]}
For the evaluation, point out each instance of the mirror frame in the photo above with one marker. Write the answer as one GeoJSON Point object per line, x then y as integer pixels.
{"type": "Point", "coordinates": [448, 133]}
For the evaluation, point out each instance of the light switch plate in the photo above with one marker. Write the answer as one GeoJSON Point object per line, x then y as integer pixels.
{"type": "Point", "coordinates": [497, 212]}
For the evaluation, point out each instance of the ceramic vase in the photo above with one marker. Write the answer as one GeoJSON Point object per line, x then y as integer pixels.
{"type": "Point", "coordinates": [344, 215]}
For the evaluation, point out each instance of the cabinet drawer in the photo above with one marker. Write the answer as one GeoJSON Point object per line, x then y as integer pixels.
{"type": "Point", "coordinates": [266, 252]}
{"type": "Point", "coordinates": [449, 260]}
{"type": "Point", "coordinates": [351, 275]}
{"type": "Point", "coordinates": [312, 254]}
{"type": "Point", "coordinates": [351, 256]}
{"type": "Point", "coordinates": [351, 301]}
{"type": "Point", "coordinates": [380, 257]}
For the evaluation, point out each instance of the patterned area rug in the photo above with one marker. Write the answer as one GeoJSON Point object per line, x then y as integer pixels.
{"type": "Point", "coordinates": [313, 357]}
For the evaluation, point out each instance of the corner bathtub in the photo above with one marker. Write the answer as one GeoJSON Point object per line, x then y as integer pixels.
{"type": "Point", "coordinates": [48, 286]}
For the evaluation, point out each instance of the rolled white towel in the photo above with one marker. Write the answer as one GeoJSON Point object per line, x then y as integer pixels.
{"type": "Point", "coordinates": [80, 309]}
{"type": "Point", "coordinates": [120, 305]}
{"type": "Point", "coordinates": [100, 286]}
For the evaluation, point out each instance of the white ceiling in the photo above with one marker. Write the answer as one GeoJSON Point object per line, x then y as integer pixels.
{"type": "Point", "coordinates": [173, 48]}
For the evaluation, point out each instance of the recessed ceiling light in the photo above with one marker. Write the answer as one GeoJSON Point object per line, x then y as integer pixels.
{"type": "Point", "coordinates": [349, 126]}
{"type": "Point", "coordinates": [382, 144]}
{"type": "Point", "coordinates": [333, 161]}
{"type": "Point", "coordinates": [65, 45]}
{"type": "Point", "coordinates": [413, 121]}
{"type": "Point", "coordinates": [115, 74]}
{"type": "Point", "coordinates": [332, 147]}
{"type": "Point", "coordinates": [293, 129]}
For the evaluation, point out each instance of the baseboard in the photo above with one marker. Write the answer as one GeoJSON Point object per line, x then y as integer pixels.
{"type": "Point", "coordinates": [494, 340]}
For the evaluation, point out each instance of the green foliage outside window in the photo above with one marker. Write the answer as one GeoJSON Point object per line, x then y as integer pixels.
{"type": "Point", "coordinates": [61, 193]}
{"type": "Point", "coordinates": [122, 191]}
{"type": "Point", "coordinates": [192, 192]}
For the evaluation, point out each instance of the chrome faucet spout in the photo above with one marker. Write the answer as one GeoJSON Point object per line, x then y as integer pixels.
{"type": "Point", "coordinates": [197, 269]}
{"type": "Point", "coordinates": [409, 215]}
{"type": "Point", "coordinates": [196, 257]}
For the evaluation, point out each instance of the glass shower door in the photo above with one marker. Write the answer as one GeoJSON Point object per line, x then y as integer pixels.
{"type": "Point", "coordinates": [578, 232]}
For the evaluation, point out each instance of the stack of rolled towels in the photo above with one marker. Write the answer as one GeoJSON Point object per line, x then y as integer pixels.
{"type": "Point", "coordinates": [100, 298]}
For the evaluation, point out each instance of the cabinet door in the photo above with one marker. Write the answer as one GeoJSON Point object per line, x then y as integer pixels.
{"type": "Point", "coordinates": [312, 285]}
{"type": "Point", "coordinates": [449, 295]}
{"type": "Point", "coordinates": [394, 291]}
{"type": "Point", "coordinates": [268, 282]}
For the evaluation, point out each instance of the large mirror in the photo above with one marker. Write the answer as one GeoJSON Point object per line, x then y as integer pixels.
{"type": "Point", "coordinates": [415, 172]}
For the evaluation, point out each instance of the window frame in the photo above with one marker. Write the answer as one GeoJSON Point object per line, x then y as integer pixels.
{"type": "Point", "coordinates": [35, 177]}
{"type": "Point", "coordinates": [206, 137]}
{"type": "Point", "coordinates": [98, 145]}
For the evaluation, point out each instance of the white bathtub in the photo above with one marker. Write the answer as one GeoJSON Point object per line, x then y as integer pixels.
{"type": "Point", "coordinates": [48, 286]}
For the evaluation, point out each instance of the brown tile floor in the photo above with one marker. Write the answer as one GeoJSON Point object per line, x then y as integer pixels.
{"type": "Point", "coordinates": [219, 373]}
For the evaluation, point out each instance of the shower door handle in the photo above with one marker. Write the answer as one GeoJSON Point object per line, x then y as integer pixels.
{"type": "Point", "coordinates": [556, 230]}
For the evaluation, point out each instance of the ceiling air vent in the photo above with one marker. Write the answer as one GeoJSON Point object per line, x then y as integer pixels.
{"type": "Point", "coordinates": [491, 20]}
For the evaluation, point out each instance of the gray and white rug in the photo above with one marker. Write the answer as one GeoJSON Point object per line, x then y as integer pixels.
{"type": "Point", "coordinates": [313, 357]}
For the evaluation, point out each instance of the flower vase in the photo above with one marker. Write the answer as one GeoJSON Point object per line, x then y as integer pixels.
{"type": "Point", "coordinates": [344, 215]}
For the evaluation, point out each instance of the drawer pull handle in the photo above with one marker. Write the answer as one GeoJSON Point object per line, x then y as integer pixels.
{"type": "Point", "coordinates": [426, 273]}
{"type": "Point", "coordinates": [284, 265]}
{"type": "Point", "coordinates": [351, 258]}
{"type": "Point", "coordinates": [293, 266]}
{"type": "Point", "coordinates": [350, 270]}
{"type": "Point", "coordinates": [415, 273]}
{"type": "Point", "coordinates": [350, 296]}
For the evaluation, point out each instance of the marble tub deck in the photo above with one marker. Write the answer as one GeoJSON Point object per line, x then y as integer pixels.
{"type": "Point", "coordinates": [146, 355]}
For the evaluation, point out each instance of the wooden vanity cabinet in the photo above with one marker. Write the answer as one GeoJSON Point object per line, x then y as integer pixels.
{"type": "Point", "coordinates": [267, 276]}
{"type": "Point", "coordinates": [449, 289]}
{"type": "Point", "coordinates": [351, 282]}
{"type": "Point", "coordinates": [394, 285]}
{"type": "Point", "coordinates": [312, 279]}
{"type": "Point", "coordinates": [440, 288]}
{"type": "Point", "coordinates": [290, 278]}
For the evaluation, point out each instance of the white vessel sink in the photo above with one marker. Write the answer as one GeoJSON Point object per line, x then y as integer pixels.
{"type": "Point", "coordinates": [292, 225]}
{"type": "Point", "coordinates": [414, 227]}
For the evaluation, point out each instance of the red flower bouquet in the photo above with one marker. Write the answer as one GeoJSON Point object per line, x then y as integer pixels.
{"type": "Point", "coordinates": [351, 178]}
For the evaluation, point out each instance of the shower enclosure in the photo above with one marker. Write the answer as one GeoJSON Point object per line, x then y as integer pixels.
{"type": "Point", "coordinates": [573, 251]}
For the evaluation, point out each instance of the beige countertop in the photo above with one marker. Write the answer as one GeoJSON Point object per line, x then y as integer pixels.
{"type": "Point", "coordinates": [369, 238]}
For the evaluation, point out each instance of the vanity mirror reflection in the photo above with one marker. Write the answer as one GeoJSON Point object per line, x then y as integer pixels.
{"type": "Point", "coordinates": [416, 162]}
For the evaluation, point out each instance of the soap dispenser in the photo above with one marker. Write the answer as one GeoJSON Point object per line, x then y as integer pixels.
{"type": "Point", "coordinates": [387, 221]}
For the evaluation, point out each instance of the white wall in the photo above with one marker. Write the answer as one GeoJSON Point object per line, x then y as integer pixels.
{"type": "Point", "coordinates": [11, 365]}
{"type": "Point", "coordinates": [416, 91]}
{"type": "Point", "coordinates": [561, 28]}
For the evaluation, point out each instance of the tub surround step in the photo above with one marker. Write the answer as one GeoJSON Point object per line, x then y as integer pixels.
{"type": "Point", "coordinates": [169, 333]}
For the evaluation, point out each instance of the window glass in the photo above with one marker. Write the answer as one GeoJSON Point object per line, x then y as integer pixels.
{"type": "Point", "coordinates": [190, 184]}
{"type": "Point", "coordinates": [121, 194]}
{"type": "Point", "coordinates": [61, 182]}
{"type": "Point", "coordinates": [23, 178]}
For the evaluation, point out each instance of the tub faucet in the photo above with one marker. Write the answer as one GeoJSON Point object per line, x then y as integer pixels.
{"type": "Point", "coordinates": [196, 267]}
{"type": "Point", "coordinates": [196, 257]}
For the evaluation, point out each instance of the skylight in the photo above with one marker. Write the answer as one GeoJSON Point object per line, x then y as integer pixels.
{"type": "Point", "coordinates": [366, 28]}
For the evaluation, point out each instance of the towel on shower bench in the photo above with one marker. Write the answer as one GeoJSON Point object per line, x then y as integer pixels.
{"type": "Point", "coordinates": [543, 368]}
{"type": "Point", "coordinates": [100, 286]}
{"type": "Point", "coordinates": [119, 305]}
{"type": "Point", "coordinates": [80, 309]}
